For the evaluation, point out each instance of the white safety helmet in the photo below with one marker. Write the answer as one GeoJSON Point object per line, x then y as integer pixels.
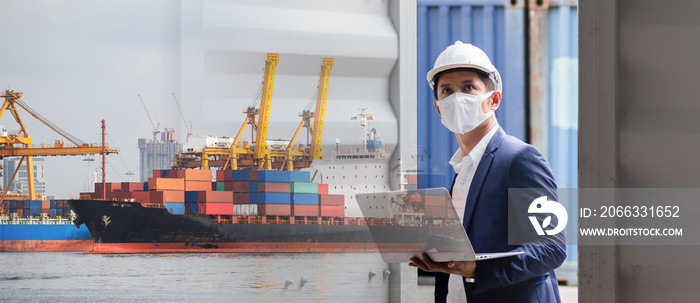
{"type": "Point", "coordinates": [464, 55]}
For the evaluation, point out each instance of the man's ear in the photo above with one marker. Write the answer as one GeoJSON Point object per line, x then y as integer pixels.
{"type": "Point", "coordinates": [495, 100]}
{"type": "Point", "coordinates": [437, 108]}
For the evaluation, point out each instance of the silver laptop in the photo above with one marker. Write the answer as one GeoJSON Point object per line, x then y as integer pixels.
{"type": "Point", "coordinates": [407, 223]}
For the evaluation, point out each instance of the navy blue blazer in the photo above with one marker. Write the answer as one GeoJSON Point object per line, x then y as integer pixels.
{"type": "Point", "coordinates": [528, 277]}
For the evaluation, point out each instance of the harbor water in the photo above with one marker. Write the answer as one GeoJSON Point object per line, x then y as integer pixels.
{"type": "Point", "coordinates": [83, 277]}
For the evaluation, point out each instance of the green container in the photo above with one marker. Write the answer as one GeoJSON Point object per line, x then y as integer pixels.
{"type": "Point", "coordinates": [220, 186]}
{"type": "Point", "coordinates": [305, 187]}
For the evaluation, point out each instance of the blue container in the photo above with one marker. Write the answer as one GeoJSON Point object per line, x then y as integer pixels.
{"type": "Point", "coordinates": [240, 175]}
{"type": "Point", "coordinates": [194, 208]}
{"type": "Point", "coordinates": [300, 176]}
{"type": "Point", "coordinates": [53, 203]}
{"type": "Point", "coordinates": [252, 186]}
{"type": "Point", "coordinates": [13, 210]}
{"type": "Point", "coordinates": [273, 198]}
{"type": "Point", "coordinates": [175, 208]}
{"type": "Point", "coordinates": [13, 204]}
{"type": "Point", "coordinates": [191, 196]}
{"type": "Point", "coordinates": [274, 176]}
{"type": "Point", "coordinates": [253, 198]}
{"type": "Point", "coordinates": [52, 212]}
{"type": "Point", "coordinates": [35, 204]}
{"type": "Point", "coordinates": [145, 186]}
{"type": "Point", "coordinates": [305, 199]}
{"type": "Point", "coordinates": [164, 173]}
{"type": "Point", "coordinates": [33, 212]}
{"type": "Point", "coordinates": [59, 212]}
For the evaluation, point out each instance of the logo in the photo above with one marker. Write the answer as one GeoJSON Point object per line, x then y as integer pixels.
{"type": "Point", "coordinates": [542, 206]}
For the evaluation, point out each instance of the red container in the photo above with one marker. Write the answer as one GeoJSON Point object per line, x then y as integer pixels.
{"type": "Point", "coordinates": [332, 211]}
{"type": "Point", "coordinates": [111, 187]}
{"type": "Point", "coordinates": [46, 211]}
{"type": "Point", "coordinates": [252, 175]}
{"type": "Point", "coordinates": [191, 174]}
{"type": "Point", "coordinates": [240, 186]}
{"type": "Point", "coordinates": [215, 208]}
{"type": "Point", "coordinates": [215, 197]}
{"type": "Point", "coordinates": [141, 196]}
{"type": "Point", "coordinates": [98, 187]}
{"type": "Point", "coordinates": [45, 204]}
{"type": "Point", "coordinates": [224, 175]}
{"type": "Point", "coordinates": [228, 186]}
{"type": "Point", "coordinates": [197, 185]}
{"type": "Point", "coordinates": [132, 186]}
{"type": "Point", "coordinates": [241, 198]}
{"type": "Point", "coordinates": [20, 204]}
{"type": "Point", "coordinates": [270, 187]}
{"type": "Point", "coordinates": [275, 209]}
{"type": "Point", "coordinates": [305, 210]}
{"type": "Point", "coordinates": [166, 184]}
{"type": "Point", "coordinates": [167, 196]}
{"type": "Point", "coordinates": [20, 212]}
{"type": "Point", "coordinates": [331, 200]}
{"type": "Point", "coordinates": [323, 189]}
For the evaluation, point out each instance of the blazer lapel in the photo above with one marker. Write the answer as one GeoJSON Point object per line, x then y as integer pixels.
{"type": "Point", "coordinates": [480, 176]}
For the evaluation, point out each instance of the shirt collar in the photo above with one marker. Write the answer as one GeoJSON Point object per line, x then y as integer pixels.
{"type": "Point", "coordinates": [476, 153]}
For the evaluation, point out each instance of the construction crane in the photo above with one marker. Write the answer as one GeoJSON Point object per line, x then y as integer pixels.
{"type": "Point", "coordinates": [19, 144]}
{"type": "Point", "coordinates": [156, 131]}
{"type": "Point", "coordinates": [188, 127]}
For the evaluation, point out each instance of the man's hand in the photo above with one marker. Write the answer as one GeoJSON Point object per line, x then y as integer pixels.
{"type": "Point", "coordinates": [462, 268]}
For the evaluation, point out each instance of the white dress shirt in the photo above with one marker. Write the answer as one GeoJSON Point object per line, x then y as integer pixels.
{"type": "Point", "coordinates": [465, 167]}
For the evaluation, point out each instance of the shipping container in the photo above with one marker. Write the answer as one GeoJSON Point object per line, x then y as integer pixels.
{"type": "Point", "coordinates": [132, 186]}
{"type": "Point", "coordinates": [13, 204]}
{"type": "Point", "coordinates": [194, 209]}
{"type": "Point", "coordinates": [175, 208]}
{"type": "Point", "coordinates": [215, 196]}
{"type": "Point", "coordinates": [252, 175]}
{"type": "Point", "coordinates": [221, 175]}
{"type": "Point", "coordinates": [323, 189]}
{"type": "Point", "coordinates": [145, 186]}
{"type": "Point", "coordinates": [332, 211]}
{"type": "Point", "coordinates": [20, 204]}
{"type": "Point", "coordinates": [166, 184]}
{"type": "Point", "coordinates": [141, 196]}
{"type": "Point", "coordinates": [34, 212]}
{"type": "Point", "coordinates": [283, 176]}
{"type": "Point", "coordinates": [305, 210]}
{"type": "Point", "coordinates": [273, 198]}
{"type": "Point", "coordinates": [197, 185]}
{"type": "Point", "coordinates": [253, 198]}
{"type": "Point", "coordinates": [34, 204]}
{"type": "Point", "coordinates": [46, 211]}
{"type": "Point", "coordinates": [20, 212]}
{"type": "Point", "coordinates": [111, 187]}
{"type": "Point", "coordinates": [333, 200]}
{"type": "Point", "coordinates": [191, 196]}
{"type": "Point", "coordinates": [241, 198]}
{"type": "Point", "coordinates": [241, 175]}
{"type": "Point", "coordinates": [228, 185]}
{"type": "Point", "coordinates": [252, 186]}
{"type": "Point", "coordinates": [191, 174]}
{"type": "Point", "coordinates": [167, 196]}
{"type": "Point", "coordinates": [53, 204]}
{"type": "Point", "coordinates": [275, 209]}
{"type": "Point", "coordinates": [219, 186]}
{"type": "Point", "coordinates": [245, 210]}
{"type": "Point", "coordinates": [305, 199]}
{"type": "Point", "coordinates": [304, 187]}
{"type": "Point", "coordinates": [240, 186]}
{"type": "Point", "coordinates": [272, 187]}
{"type": "Point", "coordinates": [215, 208]}
{"type": "Point", "coordinates": [52, 212]}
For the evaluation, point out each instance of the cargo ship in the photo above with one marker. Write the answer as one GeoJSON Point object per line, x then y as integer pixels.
{"type": "Point", "coordinates": [40, 226]}
{"type": "Point", "coordinates": [241, 211]}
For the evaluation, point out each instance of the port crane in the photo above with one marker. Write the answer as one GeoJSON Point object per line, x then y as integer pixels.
{"type": "Point", "coordinates": [19, 144]}
{"type": "Point", "coordinates": [261, 154]}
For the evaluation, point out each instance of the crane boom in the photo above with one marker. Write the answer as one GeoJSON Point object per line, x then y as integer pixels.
{"type": "Point", "coordinates": [189, 128]}
{"type": "Point", "coordinates": [320, 113]}
{"type": "Point", "coordinates": [264, 110]}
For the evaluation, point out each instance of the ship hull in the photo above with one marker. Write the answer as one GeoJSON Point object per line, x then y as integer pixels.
{"type": "Point", "coordinates": [128, 227]}
{"type": "Point", "coordinates": [44, 238]}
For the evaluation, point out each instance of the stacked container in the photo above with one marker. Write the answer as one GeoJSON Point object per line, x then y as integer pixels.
{"type": "Point", "coordinates": [36, 208]}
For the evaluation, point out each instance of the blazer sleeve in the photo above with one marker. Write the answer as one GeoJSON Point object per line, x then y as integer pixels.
{"type": "Point", "coordinates": [529, 171]}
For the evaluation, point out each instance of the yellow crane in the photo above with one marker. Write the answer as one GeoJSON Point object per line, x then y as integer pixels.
{"type": "Point", "coordinates": [261, 152]}
{"type": "Point", "coordinates": [19, 144]}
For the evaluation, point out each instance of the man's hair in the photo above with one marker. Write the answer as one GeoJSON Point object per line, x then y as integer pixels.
{"type": "Point", "coordinates": [490, 86]}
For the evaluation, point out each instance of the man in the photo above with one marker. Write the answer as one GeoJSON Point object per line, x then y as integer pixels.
{"type": "Point", "coordinates": [467, 88]}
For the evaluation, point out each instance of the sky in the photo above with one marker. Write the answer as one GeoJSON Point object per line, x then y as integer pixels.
{"type": "Point", "coordinates": [78, 62]}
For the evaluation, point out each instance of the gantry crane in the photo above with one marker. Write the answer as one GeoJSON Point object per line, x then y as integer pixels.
{"type": "Point", "coordinates": [19, 144]}
{"type": "Point", "coordinates": [259, 155]}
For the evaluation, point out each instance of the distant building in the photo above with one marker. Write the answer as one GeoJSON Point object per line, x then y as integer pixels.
{"type": "Point", "coordinates": [166, 150]}
{"type": "Point", "coordinates": [21, 182]}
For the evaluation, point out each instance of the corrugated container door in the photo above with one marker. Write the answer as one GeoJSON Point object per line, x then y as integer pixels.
{"type": "Point", "coordinates": [496, 28]}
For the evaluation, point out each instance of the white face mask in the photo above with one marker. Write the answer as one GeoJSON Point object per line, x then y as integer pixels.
{"type": "Point", "coordinates": [461, 113]}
